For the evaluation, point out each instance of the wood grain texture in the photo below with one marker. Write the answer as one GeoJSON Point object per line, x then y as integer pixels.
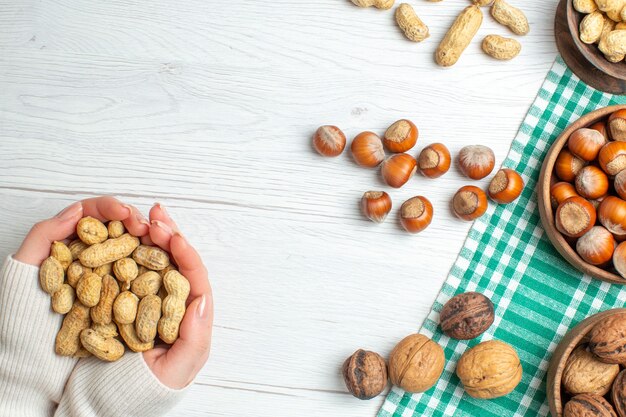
{"type": "Point", "coordinates": [209, 108]}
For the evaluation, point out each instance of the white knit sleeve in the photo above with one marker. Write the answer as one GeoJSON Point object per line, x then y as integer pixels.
{"type": "Point", "coordinates": [32, 376]}
{"type": "Point", "coordinates": [126, 387]}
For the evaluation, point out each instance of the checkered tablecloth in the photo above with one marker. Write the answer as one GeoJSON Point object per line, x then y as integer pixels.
{"type": "Point", "coordinates": [537, 295]}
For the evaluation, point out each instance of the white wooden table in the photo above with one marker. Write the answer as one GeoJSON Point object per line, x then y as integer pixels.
{"type": "Point", "coordinates": [208, 107]}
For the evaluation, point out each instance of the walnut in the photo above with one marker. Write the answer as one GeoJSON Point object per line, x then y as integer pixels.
{"type": "Point", "coordinates": [489, 370]}
{"type": "Point", "coordinates": [585, 374]}
{"type": "Point", "coordinates": [607, 339]}
{"type": "Point", "coordinates": [466, 315]}
{"type": "Point", "coordinates": [588, 405]}
{"type": "Point", "coordinates": [416, 363]}
{"type": "Point", "coordinates": [618, 394]}
{"type": "Point", "coordinates": [365, 374]}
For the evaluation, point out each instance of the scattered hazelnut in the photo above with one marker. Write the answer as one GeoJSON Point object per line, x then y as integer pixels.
{"type": "Point", "coordinates": [416, 214]}
{"type": "Point", "coordinates": [585, 374]}
{"type": "Point", "coordinates": [365, 374]}
{"type": "Point", "coordinates": [398, 169]}
{"type": "Point", "coordinates": [617, 125]}
{"type": "Point", "coordinates": [586, 143]}
{"type": "Point", "coordinates": [506, 186]}
{"type": "Point", "coordinates": [596, 246]}
{"type": "Point", "coordinates": [592, 182]}
{"type": "Point", "coordinates": [568, 165]}
{"type": "Point", "coordinates": [601, 127]}
{"type": "Point", "coordinates": [575, 217]}
{"type": "Point", "coordinates": [434, 160]}
{"type": "Point", "coordinates": [618, 393]}
{"type": "Point", "coordinates": [619, 259]}
{"type": "Point", "coordinates": [612, 157]}
{"type": "Point", "coordinates": [367, 149]}
{"type": "Point", "coordinates": [329, 141]}
{"type": "Point", "coordinates": [376, 205]}
{"type": "Point", "coordinates": [466, 316]}
{"type": "Point", "coordinates": [416, 363]}
{"type": "Point", "coordinates": [469, 203]}
{"type": "Point", "coordinates": [400, 136]}
{"type": "Point", "coordinates": [619, 183]}
{"type": "Point", "coordinates": [489, 370]}
{"type": "Point", "coordinates": [560, 192]}
{"type": "Point", "coordinates": [476, 161]}
{"type": "Point", "coordinates": [608, 338]}
{"type": "Point", "coordinates": [588, 405]}
{"type": "Point", "coordinates": [612, 215]}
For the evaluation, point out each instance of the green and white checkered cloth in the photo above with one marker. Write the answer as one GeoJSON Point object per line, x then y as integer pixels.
{"type": "Point", "coordinates": [537, 295]}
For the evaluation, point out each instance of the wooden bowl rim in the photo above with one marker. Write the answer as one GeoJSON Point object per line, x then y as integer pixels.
{"type": "Point", "coordinates": [545, 205]}
{"type": "Point", "coordinates": [591, 52]}
{"type": "Point", "coordinates": [565, 347]}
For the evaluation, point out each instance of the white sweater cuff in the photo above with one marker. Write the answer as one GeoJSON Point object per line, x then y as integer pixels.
{"type": "Point", "coordinates": [126, 387]}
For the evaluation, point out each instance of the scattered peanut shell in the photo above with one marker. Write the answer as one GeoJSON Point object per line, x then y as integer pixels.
{"type": "Point", "coordinates": [379, 4]}
{"type": "Point", "coordinates": [500, 47]}
{"type": "Point", "coordinates": [410, 23]}
{"type": "Point", "coordinates": [459, 36]}
{"type": "Point", "coordinates": [510, 16]}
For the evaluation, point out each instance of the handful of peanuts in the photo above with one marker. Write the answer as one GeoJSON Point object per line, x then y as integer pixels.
{"type": "Point", "coordinates": [111, 287]}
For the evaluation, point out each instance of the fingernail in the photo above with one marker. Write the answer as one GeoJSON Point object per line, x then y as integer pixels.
{"type": "Point", "coordinates": [159, 205]}
{"type": "Point", "coordinates": [178, 233]}
{"type": "Point", "coordinates": [163, 227]}
{"type": "Point", "coordinates": [70, 211]}
{"type": "Point", "coordinates": [130, 209]}
{"type": "Point", "coordinates": [141, 219]}
{"type": "Point", "coordinates": [202, 312]}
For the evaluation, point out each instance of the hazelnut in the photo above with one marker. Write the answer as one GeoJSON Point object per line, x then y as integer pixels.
{"type": "Point", "coordinates": [617, 125]}
{"type": "Point", "coordinates": [596, 246]}
{"type": "Point", "coordinates": [619, 183]}
{"type": "Point", "coordinates": [612, 215]}
{"type": "Point", "coordinates": [560, 192]}
{"type": "Point", "coordinates": [329, 141]}
{"type": "Point", "coordinates": [416, 214]}
{"type": "Point", "coordinates": [416, 363]}
{"type": "Point", "coordinates": [376, 205]}
{"type": "Point", "coordinates": [607, 339]}
{"type": "Point", "coordinates": [601, 127]}
{"type": "Point", "coordinates": [367, 149]}
{"type": "Point", "coordinates": [434, 160]}
{"type": "Point", "coordinates": [506, 186]}
{"type": "Point", "coordinates": [469, 203]}
{"type": "Point", "coordinates": [466, 316]}
{"type": "Point", "coordinates": [575, 217]}
{"type": "Point", "coordinates": [588, 405]}
{"type": "Point", "coordinates": [400, 136]}
{"type": "Point", "coordinates": [365, 374]}
{"type": "Point", "coordinates": [618, 393]}
{"type": "Point", "coordinates": [476, 161]}
{"type": "Point", "coordinates": [489, 370]}
{"type": "Point", "coordinates": [592, 182]}
{"type": "Point", "coordinates": [612, 157]}
{"type": "Point", "coordinates": [586, 143]}
{"type": "Point", "coordinates": [619, 259]}
{"type": "Point", "coordinates": [568, 165]}
{"type": "Point", "coordinates": [585, 374]}
{"type": "Point", "coordinates": [398, 169]}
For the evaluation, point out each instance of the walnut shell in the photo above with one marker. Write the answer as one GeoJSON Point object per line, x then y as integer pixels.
{"type": "Point", "coordinates": [416, 363]}
{"type": "Point", "coordinates": [607, 339]}
{"type": "Point", "coordinates": [588, 405]}
{"type": "Point", "coordinates": [585, 374]}
{"type": "Point", "coordinates": [365, 374]}
{"type": "Point", "coordinates": [489, 370]}
{"type": "Point", "coordinates": [466, 315]}
{"type": "Point", "coordinates": [618, 394]}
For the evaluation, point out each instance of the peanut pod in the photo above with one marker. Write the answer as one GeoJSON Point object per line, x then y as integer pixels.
{"type": "Point", "coordinates": [148, 315]}
{"type": "Point", "coordinates": [91, 231]}
{"type": "Point", "coordinates": [146, 284]}
{"type": "Point", "coordinates": [125, 308]}
{"type": "Point", "coordinates": [75, 272]}
{"type": "Point", "coordinates": [102, 270]}
{"type": "Point", "coordinates": [106, 330]}
{"type": "Point", "coordinates": [125, 271]}
{"type": "Point", "coordinates": [76, 247]}
{"type": "Point", "coordinates": [51, 275]}
{"type": "Point", "coordinates": [115, 229]}
{"type": "Point", "coordinates": [500, 47]}
{"type": "Point", "coordinates": [379, 4]}
{"type": "Point", "coordinates": [88, 289]}
{"type": "Point", "coordinates": [459, 36]}
{"type": "Point", "coordinates": [61, 253]}
{"type": "Point", "coordinates": [510, 16]}
{"type": "Point", "coordinates": [68, 339]}
{"type": "Point", "coordinates": [410, 23]}
{"type": "Point", "coordinates": [128, 333]}
{"type": "Point", "coordinates": [63, 299]}
{"type": "Point", "coordinates": [102, 313]}
{"type": "Point", "coordinates": [109, 251]}
{"type": "Point", "coordinates": [151, 257]}
{"type": "Point", "coordinates": [106, 349]}
{"type": "Point", "coordinates": [177, 288]}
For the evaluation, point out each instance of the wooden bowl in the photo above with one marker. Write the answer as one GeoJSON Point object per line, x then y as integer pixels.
{"type": "Point", "coordinates": [571, 340]}
{"type": "Point", "coordinates": [545, 207]}
{"type": "Point", "coordinates": [591, 52]}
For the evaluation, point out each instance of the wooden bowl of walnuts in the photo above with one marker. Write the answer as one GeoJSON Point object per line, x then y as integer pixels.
{"type": "Point", "coordinates": [589, 21]}
{"type": "Point", "coordinates": [584, 376]}
{"type": "Point", "coordinates": [581, 194]}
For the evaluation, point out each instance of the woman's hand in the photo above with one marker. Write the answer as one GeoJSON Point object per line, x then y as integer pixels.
{"type": "Point", "coordinates": [36, 245]}
{"type": "Point", "coordinates": [178, 365]}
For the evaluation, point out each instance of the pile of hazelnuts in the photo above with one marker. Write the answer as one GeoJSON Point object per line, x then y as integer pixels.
{"type": "Point", "coordinates": [368, 150]}
{"type": "Point", "coordinates": [590, 198]}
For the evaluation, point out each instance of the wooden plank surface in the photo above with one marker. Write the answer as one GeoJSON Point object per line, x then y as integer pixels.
{"type": "Point", "coordinates": [208, 107]}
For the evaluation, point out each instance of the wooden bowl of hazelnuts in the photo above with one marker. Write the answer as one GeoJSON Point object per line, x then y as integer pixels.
{"type": "Point", "coordinates": [584, 376]}
{"type": "Point", "coordinates": [582, 194]}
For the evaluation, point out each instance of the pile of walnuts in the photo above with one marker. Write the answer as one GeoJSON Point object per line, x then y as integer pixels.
{"type": "Point", "coordinates": [592, 375]}
{"type": "Point", "coordinates": [109, 285]}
